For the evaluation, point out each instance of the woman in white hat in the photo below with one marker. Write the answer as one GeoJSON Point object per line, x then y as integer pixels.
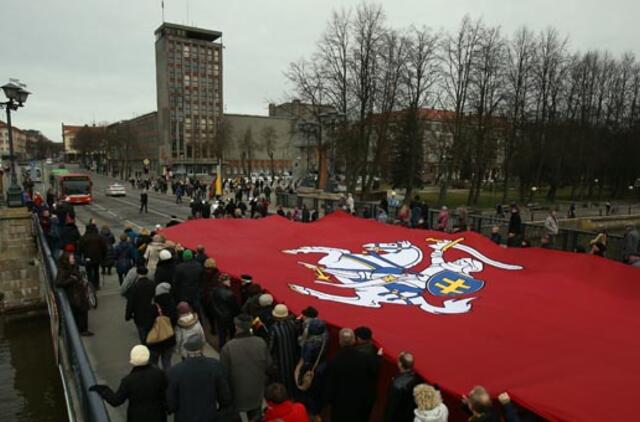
{"type": "Point", "coordinates": [144, 387]}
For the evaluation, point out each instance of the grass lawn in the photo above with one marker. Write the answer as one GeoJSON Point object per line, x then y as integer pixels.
{"type": "Point", "coordinates": [488, 198]}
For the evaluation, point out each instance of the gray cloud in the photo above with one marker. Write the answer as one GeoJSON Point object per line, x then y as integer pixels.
{"type": "Point", "coordinates": [93, 60]}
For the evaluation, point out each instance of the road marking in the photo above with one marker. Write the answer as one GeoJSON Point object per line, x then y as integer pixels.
{"type": "Point", "coordinates": [151, 210]}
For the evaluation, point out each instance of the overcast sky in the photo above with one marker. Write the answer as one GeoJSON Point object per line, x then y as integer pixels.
{"type": "Point", "coordinates": [93, 60]}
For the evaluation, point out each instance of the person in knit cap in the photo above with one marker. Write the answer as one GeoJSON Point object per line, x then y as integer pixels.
{"type": "Point", "coordinates": [152, 253]}
{"type": "Point", "coordinates": [188, 324]}
{"type": "Point", "coordinates": [264, 318]}
{"type": "Point", "coordinates": [165, 269]}
{"type": "Point", "coordinates": [144, 388]}
{"type": "Point", "coordinates": [198, 386]}
{"type": "Point", "coordinates": [186, 281]}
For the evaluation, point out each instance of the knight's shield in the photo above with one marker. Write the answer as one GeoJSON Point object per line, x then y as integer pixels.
{"type": "Point", "coordinates": [450, 283]}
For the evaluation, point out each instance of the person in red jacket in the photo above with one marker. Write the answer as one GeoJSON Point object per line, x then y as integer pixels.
{"type": "Point", "coordinates": [280, 408]}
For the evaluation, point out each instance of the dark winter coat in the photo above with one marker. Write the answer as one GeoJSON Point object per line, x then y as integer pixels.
{"type": "Point", "coordinates": [400, 402]}
{"type": "Point", "coordinates": [145, 389]}
{"type": "Point", "coordinates": [125, 257]}
{"type": "Point", "coordinates": [139, 303]}
{"type": "Point", "coordinates": [92, 246]}
{"type": "Point", "coordinates": [168, 308]}
{"type": "Point", "coordinates": [349, 385]}
{"type": "Point", "coordinates": [69, 235]}
{"type": "Point", "coordinates": [70, 279]}
{"type": "Point", "coordinates": [283, 345]}
{"type": "Point", "coordinates": [164, 272]}
{"type": "Point", "coordinates": [197, 387]}
{"type": "Point", "coordinates": [187, 281]}
{"type": "Point", "coordinates": [246, 358]}
{"type": "Point", "coordinates": [224, 305]}
{"type": "Point", "coordinates": [109, 241]}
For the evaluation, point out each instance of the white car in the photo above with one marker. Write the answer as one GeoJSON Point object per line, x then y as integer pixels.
{"type": "Point", "coordinates": [115, 189]}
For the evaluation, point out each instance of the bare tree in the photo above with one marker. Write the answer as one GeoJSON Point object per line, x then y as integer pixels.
{"type": "Point", "coordinates": [520, 51]}
{"type": "Point", "coordinates": [486, 94]}
{"type": "Point", "coordinates": [223, 138]}
{"type": "Point", "coordinates": [269, 143]}
{"type": "Point", "coordinates": [248, 148]}
{"type": "Point", "coordinates": [459, 52]}
{"type": "Point", "coordinates": [419, 77]}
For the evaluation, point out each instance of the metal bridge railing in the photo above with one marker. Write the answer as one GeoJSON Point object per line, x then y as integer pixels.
{"type": "Point", "coordinates": [89, 404]}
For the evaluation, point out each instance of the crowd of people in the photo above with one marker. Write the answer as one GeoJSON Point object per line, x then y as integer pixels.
{"type": "Point", "coordinates": [273, 365]}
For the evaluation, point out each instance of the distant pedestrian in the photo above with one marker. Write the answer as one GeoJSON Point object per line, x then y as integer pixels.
{"type": "Point", "coordinates": [144, 388]}
{"type": "Point", "coordinates": [198, 386]}
{"type": "Point", "coordinates": [630, 242]}
{"type": "Point", "coordinates": [109, 241]}
{"type": "Point", "coordinates": [246, 358]}
{"type": "Point", "coordinates": [443, 219]}
{"type": "Point", "coordinates": [93, 249]}
{"type": "Point", "coordinates": [514, 231]}
{"type": "Point", "coordinates": [551, 226]}
{"type": "Point", "coordinates": [144, 201]}
{"type": "Point", "coordinates": [124, 257]}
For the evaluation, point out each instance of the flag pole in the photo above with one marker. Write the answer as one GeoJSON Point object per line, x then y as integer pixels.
{"type": "Point", "coordinates": [162, 5]}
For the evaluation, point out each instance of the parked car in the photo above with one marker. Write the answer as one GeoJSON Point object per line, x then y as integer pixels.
{"type": "Point", "coordinates": [115, 189]}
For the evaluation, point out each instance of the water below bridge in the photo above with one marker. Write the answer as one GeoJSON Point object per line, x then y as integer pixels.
{"type": "Point", "coordinates": [30, 386]}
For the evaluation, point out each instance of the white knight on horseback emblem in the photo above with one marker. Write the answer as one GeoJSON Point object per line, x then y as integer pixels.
{"type": "Point", "coordinates": [382, 273]}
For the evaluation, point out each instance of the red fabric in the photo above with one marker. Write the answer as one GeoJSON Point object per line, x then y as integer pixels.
{"type": "Point", "coordinates": [560, 335]}
{"type": "Point", "coordinates": [286, 412]}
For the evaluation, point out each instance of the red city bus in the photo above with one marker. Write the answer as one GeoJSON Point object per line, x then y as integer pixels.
{"type": "Point", "coordinates": [73, 188]}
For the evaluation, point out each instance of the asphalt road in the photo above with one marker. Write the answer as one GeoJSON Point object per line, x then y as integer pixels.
{"type": "Point", "coordinates": [109, 349]}
{"type": "Point", "coordinates": [117, 212]}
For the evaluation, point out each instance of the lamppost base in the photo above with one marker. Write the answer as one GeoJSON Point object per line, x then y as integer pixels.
{"type": "Point", "coordinates": [14, 197]}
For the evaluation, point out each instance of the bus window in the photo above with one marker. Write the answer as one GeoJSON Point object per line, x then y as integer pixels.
{"type": "Point", "coordinates": [78, 186]}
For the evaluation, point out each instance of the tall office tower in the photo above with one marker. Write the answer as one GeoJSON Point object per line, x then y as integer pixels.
{"type": "Point", "coordinates": [189, 92]}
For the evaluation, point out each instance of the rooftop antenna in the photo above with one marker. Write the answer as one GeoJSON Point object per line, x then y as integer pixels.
{"type": "Point", "coordinates": [162, 5]}
{"type": "Point", "coordinates": [188, 20]}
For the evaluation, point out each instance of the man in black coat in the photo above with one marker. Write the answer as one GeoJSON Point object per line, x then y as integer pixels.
{"type": "Point", "coordinates": [139, 304]}
{"type": "Point", "coordinates": [351, 375]}
{"type": "Point", "coordinates": [225, 309]}
{"type": "Point", "coordinates": [94, 249]}
{"type": "Point", "coordinates": [186, 281]}
{"type": "Point", "coordinates": [198, 386]}
{"type": "Point", "coordinates": [144, 201]}
{"type": "Point", "coordinates": [400, 403]}
{"type": "Point", "coordinates": [144, 387]}
{"type": "Point", "coordinates": [69, 235]}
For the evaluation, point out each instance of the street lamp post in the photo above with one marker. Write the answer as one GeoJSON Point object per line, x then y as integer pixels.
{"type": "Point", "coordinates": [16, 96]}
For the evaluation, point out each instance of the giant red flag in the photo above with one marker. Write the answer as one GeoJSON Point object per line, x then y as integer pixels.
{"type": "Point", "coordinates": [558, 330]}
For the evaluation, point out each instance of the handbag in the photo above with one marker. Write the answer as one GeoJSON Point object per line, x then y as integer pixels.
{"type": "Point", "coordinates": [161, 330]}
{"type": "Point", "coordinates": [304, 383]}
